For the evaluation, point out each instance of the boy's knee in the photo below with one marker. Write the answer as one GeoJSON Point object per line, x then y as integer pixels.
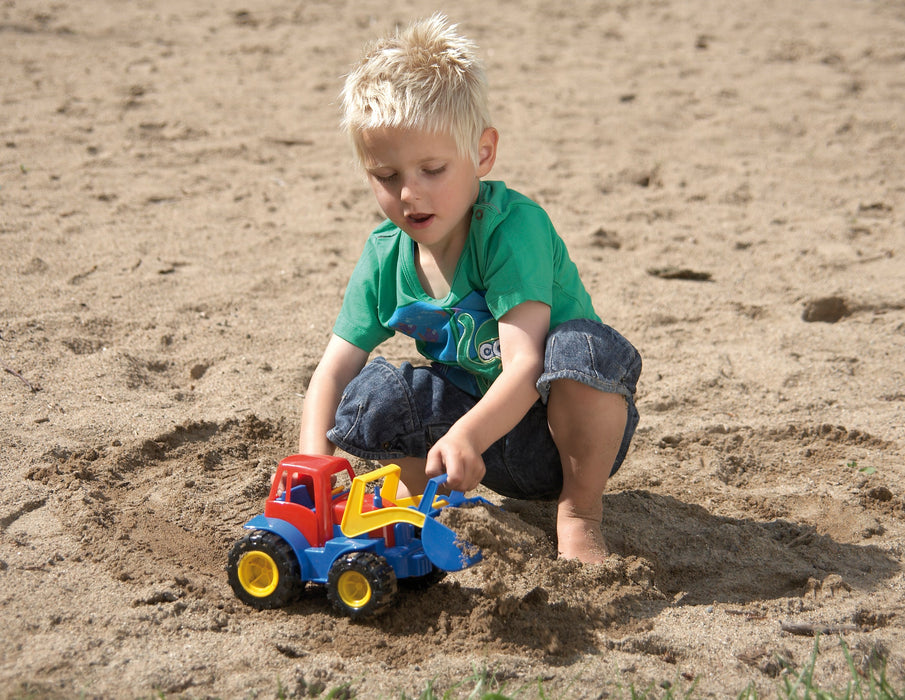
{"type": "Point", "coordinates": [582, 409]}
{"type": "Point", "coordinates": [575, 394]}
{"type": "Point", "coordinates": [375, 418]}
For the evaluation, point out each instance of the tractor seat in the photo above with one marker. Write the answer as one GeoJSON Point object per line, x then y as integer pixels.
{"type": "Point", "coordinates": [300, 495]}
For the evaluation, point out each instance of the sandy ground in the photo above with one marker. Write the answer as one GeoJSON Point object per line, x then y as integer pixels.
{"type": "Point", "coordinates": [178, 217]}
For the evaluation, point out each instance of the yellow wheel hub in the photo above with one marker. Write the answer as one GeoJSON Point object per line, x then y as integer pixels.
{"type": "Point", "coordinates": [258, 574]}
{"type": "Point", "coordinates": [354, 589]}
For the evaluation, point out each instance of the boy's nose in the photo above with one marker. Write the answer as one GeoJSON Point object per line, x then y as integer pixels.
{"type": "Point", "coordinates": [409, 192]}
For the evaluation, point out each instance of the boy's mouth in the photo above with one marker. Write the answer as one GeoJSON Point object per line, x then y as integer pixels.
{"type": "Point", "coordinates": [419, 219]}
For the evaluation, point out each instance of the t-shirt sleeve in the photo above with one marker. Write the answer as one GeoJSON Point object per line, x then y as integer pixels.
{"type": "Point", "coordinates": [519, 260]}
{"type": "Point", "coordinates": [358, 321]}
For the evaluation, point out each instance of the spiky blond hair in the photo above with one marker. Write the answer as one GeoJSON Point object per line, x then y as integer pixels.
{"type": "Point", "coordinates": [425, 77]}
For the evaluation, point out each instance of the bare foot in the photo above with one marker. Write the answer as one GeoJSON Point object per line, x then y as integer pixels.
{"type": "Point", "coordinates": [580, 538]}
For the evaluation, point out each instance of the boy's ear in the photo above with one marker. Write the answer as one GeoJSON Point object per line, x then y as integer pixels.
{"type": "Point", "coordinates": [487, 150]}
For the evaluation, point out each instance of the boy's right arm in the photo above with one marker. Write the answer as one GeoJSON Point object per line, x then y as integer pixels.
{"type": "Point", "coordinates": [339, 365]}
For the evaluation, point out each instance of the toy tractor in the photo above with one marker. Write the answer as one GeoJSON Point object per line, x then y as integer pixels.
{"type": "Point", "coordinates": [358, 544]}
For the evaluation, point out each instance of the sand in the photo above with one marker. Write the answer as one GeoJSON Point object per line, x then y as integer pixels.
{"type": "Point", "coordinates": [178, 217]}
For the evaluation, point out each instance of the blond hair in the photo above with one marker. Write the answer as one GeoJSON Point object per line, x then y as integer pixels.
{"type": "Point", "coordinates": [426, 77]}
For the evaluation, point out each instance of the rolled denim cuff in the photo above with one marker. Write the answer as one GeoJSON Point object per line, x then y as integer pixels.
{"type": "Point", "coordinates": [591, 353]}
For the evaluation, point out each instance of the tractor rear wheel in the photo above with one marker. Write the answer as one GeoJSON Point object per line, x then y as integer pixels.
{"type": "Point", "coordinates": [264, 572]}
{"type": "Point", "coordinates": [361, 584]}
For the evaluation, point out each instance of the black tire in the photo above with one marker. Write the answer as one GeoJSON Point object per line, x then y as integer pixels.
{"type": "Point", "coordinates": [361, 584]}
{"type": "Point", "coordinates": [264, 572]}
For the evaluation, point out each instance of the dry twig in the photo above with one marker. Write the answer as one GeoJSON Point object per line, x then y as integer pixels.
{"type": "Point", "coordinates": [806, 629]}
{"type": "Point", "coordinates": [33, 387]}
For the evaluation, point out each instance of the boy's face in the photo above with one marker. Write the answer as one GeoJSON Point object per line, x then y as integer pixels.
{"type": "Point", "coordinates": [423, 184]}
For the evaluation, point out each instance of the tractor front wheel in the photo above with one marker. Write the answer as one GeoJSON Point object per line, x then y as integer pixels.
{"type": "Point", "coordinates": [361, 584]}
{"type": "Point", "coordinates": [263, 571]}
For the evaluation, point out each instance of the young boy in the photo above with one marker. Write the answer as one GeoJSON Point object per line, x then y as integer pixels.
{"type": "Point", "coordinates": [527, 391]}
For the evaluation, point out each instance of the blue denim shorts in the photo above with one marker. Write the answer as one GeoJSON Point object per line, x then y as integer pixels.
{"type": "Point", "coordinates": [390, 412]}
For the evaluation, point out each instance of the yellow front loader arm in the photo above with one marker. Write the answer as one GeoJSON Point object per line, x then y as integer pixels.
{"type": "Point", "coordinates": [356, 522]}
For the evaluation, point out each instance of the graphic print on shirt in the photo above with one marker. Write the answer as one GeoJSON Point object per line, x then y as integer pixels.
{"type": "Point", "coordinates": [466, 335]}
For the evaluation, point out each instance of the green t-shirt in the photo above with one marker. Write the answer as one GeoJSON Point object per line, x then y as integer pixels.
{"type": "Point", "coordinates": [512, 255]}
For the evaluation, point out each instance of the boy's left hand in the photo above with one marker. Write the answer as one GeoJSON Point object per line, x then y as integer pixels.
{"type": "Point", "coordinates": [457, 458]}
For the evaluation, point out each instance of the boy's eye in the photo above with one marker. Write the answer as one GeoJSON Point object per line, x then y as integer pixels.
{"type": "Point", "coordinates": [384, 178]}
{"type": "Point", "coordinates": [436, 171]}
